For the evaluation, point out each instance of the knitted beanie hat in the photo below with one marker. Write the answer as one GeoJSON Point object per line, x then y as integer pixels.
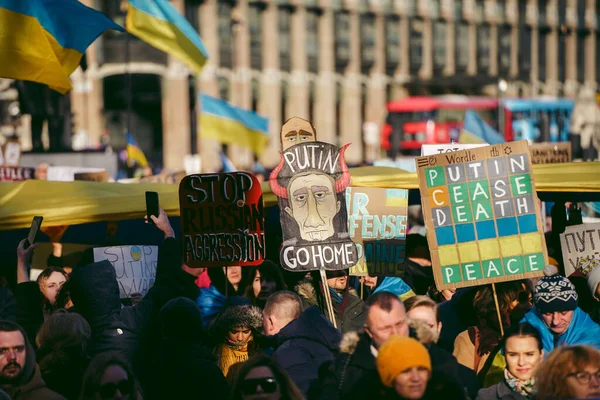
{"type": "Point", "coordinates": [554, 293]}
{"type": "Point", "coordinates": [399, 354]}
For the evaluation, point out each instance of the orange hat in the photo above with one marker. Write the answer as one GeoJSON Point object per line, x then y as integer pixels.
{"type": "Point", "coordinates": [399, 354]}
{"type": "Point", "coordinates": [552, 261]}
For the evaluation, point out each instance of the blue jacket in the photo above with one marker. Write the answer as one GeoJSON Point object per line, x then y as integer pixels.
{"type": "Point", "coordinates": [581, 331]}
{"type": "Point", "coordinates": [304, 345]}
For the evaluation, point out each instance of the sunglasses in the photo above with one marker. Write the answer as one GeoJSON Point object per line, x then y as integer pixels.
{"type": "Point", "coordinates": [109, 390]}
{"type": "Point", "coordinates": [250, 386]}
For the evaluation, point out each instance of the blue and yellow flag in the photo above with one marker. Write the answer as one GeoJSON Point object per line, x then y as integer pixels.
{"type": "Point", "coordinates": [229, 124]}
{"type": "Point", "coordinates": [159, 24]}
{"type": "Point", "coordinates": [134, 153]}
{"type": "Point", "coordinates": [476, 130]}
{"type": "Point", "coordinates": [43, 40]}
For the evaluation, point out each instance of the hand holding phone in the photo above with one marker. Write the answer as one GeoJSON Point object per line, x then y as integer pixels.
{"type": "Point", "coordinates": [33, 231]}
{"type": "Point", "coordinates": [152, 207]}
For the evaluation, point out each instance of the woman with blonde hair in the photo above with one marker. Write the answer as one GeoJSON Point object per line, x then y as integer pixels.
{"type": "Point", "coordinates": [570, 372]}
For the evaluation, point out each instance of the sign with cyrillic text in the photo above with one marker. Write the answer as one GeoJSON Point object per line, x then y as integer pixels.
{"type": "Point", "coordinates": [222, 220]}
{"type": "Point", "coordinates": [482, 215]}
{"type": "Point", "coordinates": [580, 244]}
{"type": "Point", "coordinates": [135, 267]}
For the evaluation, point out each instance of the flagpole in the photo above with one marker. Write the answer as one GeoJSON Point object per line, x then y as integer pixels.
{"type": "Point", "coordinates": [128, 85]}
{"type": "Point", "coordinates": [193, 115]}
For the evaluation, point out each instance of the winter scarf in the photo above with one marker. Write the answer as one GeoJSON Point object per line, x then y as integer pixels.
{"type": "Point", "coordinates": [335, 296]}
{"type": "Point", "coordinates": [231, 359]}
{"type": "Point", "coordinates": [524, 388]}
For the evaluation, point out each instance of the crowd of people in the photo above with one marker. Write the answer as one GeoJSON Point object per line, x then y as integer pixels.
{"type": "Point", "coordinates": [266, 333]}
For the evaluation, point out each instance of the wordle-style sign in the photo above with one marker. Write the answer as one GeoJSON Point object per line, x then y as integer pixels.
{"type": "Point", "coordinates": [482, 215]}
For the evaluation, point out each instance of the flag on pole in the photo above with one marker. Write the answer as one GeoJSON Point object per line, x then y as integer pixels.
{"type": "Point", "coordinates": [227, 164]}
{"type": "Point", "coordinates": [229, 124]}
{"type": "Point", "coordinates": [43, 41]}
{"type": "Point", "coordinates": [476, 130]}
{"type": "Point", "coordinates": [134, 153]}
{"type": "Point", "coordinates": [159, 24]}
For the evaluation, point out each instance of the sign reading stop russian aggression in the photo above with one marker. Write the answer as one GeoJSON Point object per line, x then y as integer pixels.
{"type": "Point", "coordinates": [482, 215]}
{"type": "Point", "coordinates": [222, 220]}
{"type": "Point", "coordinates": [377, 224]}
{"type": "Point", "coordinates": [310, 183]}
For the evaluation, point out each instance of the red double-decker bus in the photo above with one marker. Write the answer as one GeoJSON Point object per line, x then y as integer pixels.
{"type": "Point", "coordinates": [417, 120]}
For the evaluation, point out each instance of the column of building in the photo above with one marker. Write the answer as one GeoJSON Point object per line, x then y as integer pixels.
{"type": "Point", "coordinates": [270, 84]}
{"type": "Point", "coordinates": [591, 21]}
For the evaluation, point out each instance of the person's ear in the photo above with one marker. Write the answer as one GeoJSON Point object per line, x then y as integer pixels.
{"type": "Point", "coordinates": [368, 331]}
{"type": "Point", "coordinates": [440, 327]}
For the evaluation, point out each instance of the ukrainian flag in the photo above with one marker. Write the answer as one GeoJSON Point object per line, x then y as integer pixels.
{"type": "Point", "coordinates": [159, 24]}
{"type": "Point", "coordinates": [43, 40]}
{"type": "Point", "coordinates": [229, 124]}
{"type": "Point", "coordinates": [134, 153]}
{"type": "Point", "coordinates": [476, 130]}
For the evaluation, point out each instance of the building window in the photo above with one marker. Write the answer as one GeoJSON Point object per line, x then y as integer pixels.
{"type": "Point", "coordinates": [392, 40]}
{"type": "Point", "coordinates": [542, 13]}
{"type": "Point", "coordinates": [367, 42]}
{"type": "Point", "coordinates": [458, 9]}
{"type": "Point", "coordinates": [411, 7]}
{"type": "Point", "coordinates": [542, 43]}
{"type": "Point", "coordinates": [439, 44]}
{"type": "Point", "coordinates": [501, 9]}
{"type": "Point", "coordinates": [312, 40]}
{"type": "Point", "coordinates": [462, 47]}
{"type": "Point", "coordinates": [223, 88]}
{"type": "Point", "coordinates": [312, 94]}
{"type": "Point", "coordinates": [581, 58]}
{"type": "Point", "coordinates": [255, 94]}
{"type": "Point", "coordinates": [225, 35]}
{"type": "Point", "coordinates": [284, 99]}
{"type": "Point", "coordinates": [285, 42]}
{"type": "Point", "coordinates": [434, 9]}
{"type": "Point", "coordinates": [416, 28]}
{"type": "Point", "coordinates": [562, 44]}
{"type": "Point", "coordinates": [483, 48]}
{"type": "Point", "coordinates": [342, 40]}
{"type": "Point", "coordinates": [479, 10]}
{"type": "Point", "coordinates": [255, 27]}
{"type": "Point", "coordinates": [504, 47]}
{"type": "Point", "coordinates": [581, 14]}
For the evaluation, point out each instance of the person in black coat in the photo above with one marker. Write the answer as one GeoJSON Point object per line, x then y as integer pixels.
{"type": "Point", "coordinates": [184, 365]}
{"type": "Point", "coordinates": [303, 341]}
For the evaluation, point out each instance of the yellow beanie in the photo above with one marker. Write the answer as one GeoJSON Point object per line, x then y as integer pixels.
{"type": "Point", "coordinates": [399, 354]}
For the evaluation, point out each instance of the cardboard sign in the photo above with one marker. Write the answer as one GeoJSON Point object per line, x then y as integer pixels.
{"type": "Point", "coordinates": [222, 220]}
{"type": "Point", "coordinates": [16, 174]}
{"type": "Point", "coordinates": [310, 183]}
{"type": "Point", "coordinates": [432, 149]}
{"type": "Point", "coordinates": [10, 154]}
{"type": "Point", "coordinates": [67, 174]}
{"type": "Point", "coordinates": [135, 267]}
{"type": "Point", "coordinates": [482, 215]}
{"type": "Point", "coordinates": [580, 245]}
{"type": "Point", "coordinates": [377, 223]}
{"type": "Point", "coordinates": [100, 176]}
{"type": "Point", "coordinates": [550, 153]}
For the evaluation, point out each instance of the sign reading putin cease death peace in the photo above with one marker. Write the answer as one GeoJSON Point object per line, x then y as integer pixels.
{"type": "Point", "coordinates": [482, 215]}
{"type": "Point", "coordinates": [222, 220]}
{"type": "Point", "coordinates": [310, 183]}
{"type": "Point", "coordinates": [377, 224]}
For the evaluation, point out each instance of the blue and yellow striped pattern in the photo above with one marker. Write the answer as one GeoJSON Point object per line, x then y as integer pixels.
{"type": "Point", "coordinates": [229, 124]}
{"type": "Point", "coordinates": [43, 40]}
{"type": "Point", "coordinates": [476, 130]}
{"type": "Point", "coordinates": [135, 155]}
{"type": "Point", "coordinates": [159, 24]}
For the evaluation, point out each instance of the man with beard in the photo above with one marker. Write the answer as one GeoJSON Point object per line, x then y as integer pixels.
{"type": "Point", "coordinates": [20, 376]}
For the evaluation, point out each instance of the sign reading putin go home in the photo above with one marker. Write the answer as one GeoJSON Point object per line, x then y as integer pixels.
{"type": "Point", "coordinates": [482, 215]}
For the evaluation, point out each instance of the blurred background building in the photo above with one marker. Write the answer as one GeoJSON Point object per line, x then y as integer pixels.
{"type": "Point", "coordinates": [334, 62]}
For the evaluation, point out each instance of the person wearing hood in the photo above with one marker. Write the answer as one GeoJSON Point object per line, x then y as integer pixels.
{"type": "Point", "coordinates": [304, 341]}
{"type": "Point", "coordinates": [557, 317]}
{"type": "Point", "coordinates": [20, 376]}
{"type": "Point", "coordinates": [347, 306]}
{"type": "Point", "coordinates": [184, 361]}
{"type": "Point", "coordinates": [236, 331]}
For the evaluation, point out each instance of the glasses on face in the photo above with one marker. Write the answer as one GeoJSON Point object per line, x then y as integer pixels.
{"type": "Point", "coordinates": [250, 386]}
{"type": "Point", "coordinates": [109, 390]}
{"type": "Point", "coordinates": [585, 377]}
{"type": "Point", "coordinates": [5, 351]}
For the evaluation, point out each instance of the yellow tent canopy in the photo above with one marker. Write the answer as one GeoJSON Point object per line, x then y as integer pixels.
{"type": "Point", "coordinates": [70, 203]}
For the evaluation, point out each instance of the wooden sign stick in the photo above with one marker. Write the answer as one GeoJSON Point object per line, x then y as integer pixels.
{"type": "Point", "coordinates": [327, 295]}
{"type": "Point", "coordinates": [362, 288]}
{"type": "Point", "coordinates": [498, 310]}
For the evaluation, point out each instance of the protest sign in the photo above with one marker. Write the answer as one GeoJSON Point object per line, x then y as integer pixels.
{"type": "Point", "coordinates": [310, 183]}
{"type": "Point", "coordinates": [135, 267]}
{"type": "Point", "coordinates": [580, 244]}
{"type": "Point", "coordinates": [100, 176]}
{"type": "Point", "coordinates": [550, 153]}
{"type": "Point", "coordinates": [377, 224]}
{"type": "Point", "coordinates": [16, 174]}
{"type": "Point", "coordinates": [482, 215]}
{"type": "Point", "coordinates": [432, 149]}
{"type": "Point", "coordinates": [222, 220]}
{"type": "Point", "coordinates": [10, 154]}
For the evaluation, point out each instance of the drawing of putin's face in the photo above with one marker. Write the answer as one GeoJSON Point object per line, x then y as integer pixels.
{"type": "Point", "coordinates": [314, 204]}
{"type": "Point", "coordinates": [296, 130]}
